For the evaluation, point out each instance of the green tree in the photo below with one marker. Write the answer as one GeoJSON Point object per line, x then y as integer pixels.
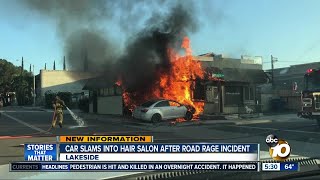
{"type": "Point", "coordinates": [7, 74]}
{"type": "Point", "coordinates": [12, 79]}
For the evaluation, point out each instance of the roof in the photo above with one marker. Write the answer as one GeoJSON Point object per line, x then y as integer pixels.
{"type": "Point", "coordinates": [99, 82]}
{"type": "Point", "coordinates": [210, 54]}
{"type": "Point", "coordinates": [295, 69]}
{"type": "Point", "coordinates": [245, 75]}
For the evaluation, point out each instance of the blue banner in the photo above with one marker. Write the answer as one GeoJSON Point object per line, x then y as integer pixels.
{"type": "Point", "coordinates": [40, 152]}
{"type": "Point", "coordinates": [289, 166]}
{"type": "Point", "coordinates": [62, 166]}
{"type": "Point", "coordinates": [159, 148]}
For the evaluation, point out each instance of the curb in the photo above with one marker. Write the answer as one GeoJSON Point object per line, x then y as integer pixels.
{"type": "Point", "coordinates": [200, 122]}
{"type": "Point", "coordinates": [218, 122]}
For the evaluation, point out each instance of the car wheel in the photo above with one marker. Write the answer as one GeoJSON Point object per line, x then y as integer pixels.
{"type": "Point", "coordinates": [188, 116]}
{"type": "Point", "coordinates": [156, 118]}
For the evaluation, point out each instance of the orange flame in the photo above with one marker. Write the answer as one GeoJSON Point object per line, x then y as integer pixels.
{"type": "Point", "coordinates": [177, 84]}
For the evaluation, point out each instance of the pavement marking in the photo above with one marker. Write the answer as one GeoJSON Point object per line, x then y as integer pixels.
{"type": "Point", "coordinates": [253, 122]}
{"type": "Point", "coordinates": [26, 124]}
{"type": "Point", "coordinates": [75, 127]}
{"type": "Point", "coordinates": [275, 129]}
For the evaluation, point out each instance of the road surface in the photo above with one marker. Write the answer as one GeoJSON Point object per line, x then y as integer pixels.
{"type": "Point", "coordinates": [20, 125]}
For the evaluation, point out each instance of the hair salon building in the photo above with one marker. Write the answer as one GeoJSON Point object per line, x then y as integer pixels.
{"type": "Point", "coordinates": [233, 84]}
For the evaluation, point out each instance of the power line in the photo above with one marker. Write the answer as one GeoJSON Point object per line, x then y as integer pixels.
{"type": "Point", "coordinates": [280, 62]}
{"type": "Point", "coordinates": [313, 46]}
{"type": "Point", "coordinates": [317, 43]}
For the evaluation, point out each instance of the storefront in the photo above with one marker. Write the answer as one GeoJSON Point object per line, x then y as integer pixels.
{"type": "Point", "coordinates": [229, 90]}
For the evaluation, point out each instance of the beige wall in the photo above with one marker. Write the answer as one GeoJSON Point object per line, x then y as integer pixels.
{"type": "Point", "coordinates": [110, 105]}
{"type": "Point", "coordinates": [210, 108]}
{"type": "Point", "coordinates": [226, 63]}
{"type": "Point", "coordinates": [64, 81]}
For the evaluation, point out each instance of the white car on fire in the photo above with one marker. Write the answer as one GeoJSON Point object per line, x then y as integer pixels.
{"type": "Point", "coordinates": [158, 110]}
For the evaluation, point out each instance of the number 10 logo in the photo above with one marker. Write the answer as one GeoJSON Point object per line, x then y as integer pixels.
{"type": "Point", "coordinates": [279, 149]}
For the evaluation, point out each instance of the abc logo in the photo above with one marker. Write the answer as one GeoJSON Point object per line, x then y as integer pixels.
{"type": "Point", "coordinates": [279, 149]}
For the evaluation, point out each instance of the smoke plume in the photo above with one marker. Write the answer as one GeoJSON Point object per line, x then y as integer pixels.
{"type": "Point", "coordinates": [150, 26]}
{"type": "Point", "coordinates": [146, 55]}
{"type": "Point", "coordinates": [82, 25]}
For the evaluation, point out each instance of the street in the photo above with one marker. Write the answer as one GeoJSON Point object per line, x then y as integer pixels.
{"type": "Point", "coordinates": [20, 126]}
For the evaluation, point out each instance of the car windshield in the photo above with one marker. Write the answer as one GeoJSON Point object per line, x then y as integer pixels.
{"type": "Point", "coordinates": [148, 104]}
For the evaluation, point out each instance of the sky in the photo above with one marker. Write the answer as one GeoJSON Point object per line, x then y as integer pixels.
{"type": "Point", "coordinates": [286, 29]}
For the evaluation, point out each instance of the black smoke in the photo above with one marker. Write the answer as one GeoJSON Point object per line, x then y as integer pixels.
{"type": "Point", "coordinates": [146, 56]}
{"type": "Point", "coordinates": [84, 26]}
{"type": "Point", "coordinates": [90, 46]}
{"type": "Point", "coordinates": [151, 27]}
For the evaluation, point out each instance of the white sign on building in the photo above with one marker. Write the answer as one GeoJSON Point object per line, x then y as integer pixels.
{"type": "Point", "coordinates": [251, 59]}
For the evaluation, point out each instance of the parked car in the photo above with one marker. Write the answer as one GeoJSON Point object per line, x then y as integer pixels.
{"type": "Point", "coordinates": [158, 110]}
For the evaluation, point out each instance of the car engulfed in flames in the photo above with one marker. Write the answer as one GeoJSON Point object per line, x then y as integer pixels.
{"type": "Point", "coordinates": [177, 84]}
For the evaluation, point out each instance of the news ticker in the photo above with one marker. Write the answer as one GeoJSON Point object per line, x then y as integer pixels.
{"type": "Point", "coordinates": [127, 166]}
{"type": "Point", "coordinates": [195, 152]}
{"type": "Point", "coordinates": [150, 166]}
{"type": "Point", "coordinates": [126, 153]}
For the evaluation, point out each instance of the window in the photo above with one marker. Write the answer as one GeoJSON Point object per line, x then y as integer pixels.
{"type": "Point", "coordinates": [118, 90]}
{"type": "Point", "coordinates": [212, 94]}
{"type": "Point", "coordinates": [107, 91]}
{"type": "Point", "coordinates": [172, 103]}
{"type": "Point", "coordinates": [248, 93]}
{"type": "Point", "coordinates": [148, 104]}
{"type": "Point", "coordinates": [162, 104]}
{"type": "Point", "coordinates": [233, 95]}
{"type": "Point", "coordinates": [111, 91]}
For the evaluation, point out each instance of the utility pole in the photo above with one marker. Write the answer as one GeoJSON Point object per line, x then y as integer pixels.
{"type": "Point", "coordinates": [22, 65]}
{"type": "Point", "coordinates": [273, 60]}
{"type": "Point", "coordinates": [64, 63]}
{"type": "Point", "coordinates": [21, 94]}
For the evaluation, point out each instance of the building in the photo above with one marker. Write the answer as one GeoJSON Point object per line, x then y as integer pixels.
{"type": "Point", "coordinates": [236, 87]}
{"type": "Point", "coordinates": [61, 81]}
{"type": "Point", "coordinates": [232, 85]}
{"type": "Point", "coordinates": [105, 96]}
{"type": "Point", "coordinates": [288, 83]}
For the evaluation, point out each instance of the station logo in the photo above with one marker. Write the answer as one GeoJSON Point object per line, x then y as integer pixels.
{"type": "Point", "coordinates": [279, 149]}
